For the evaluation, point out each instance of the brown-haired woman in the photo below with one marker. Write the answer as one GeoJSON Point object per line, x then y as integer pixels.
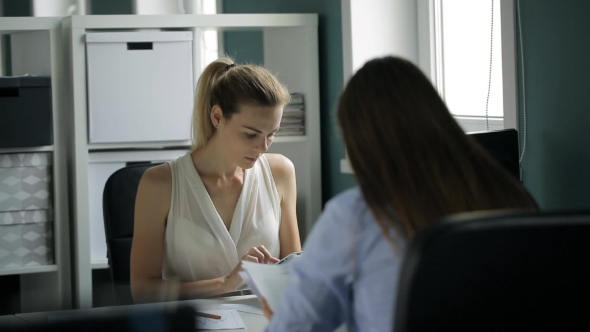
{"type": "Point", "coordinates": [414, 165]}
{"type": "Point", "coordinates": [227, 200]}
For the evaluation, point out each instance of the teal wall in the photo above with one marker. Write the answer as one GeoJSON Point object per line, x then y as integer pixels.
{"type": "Point", "coordinates": [244, 46]}
{"type": "Point", "coordinates": [556, 43]}
{"type": "Point", "coordinates": [331, 85]}
{"type": "Point", "coordinates": [12, 8]}
{"type": "Point", "coordinates": [111, 7]}
{"type": "Point", "coordinates": [98, 7]}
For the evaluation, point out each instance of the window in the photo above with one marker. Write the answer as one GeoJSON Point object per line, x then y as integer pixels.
{"type": "Point", "coordinates": [450, 41]}
{"type": "Point", "coordinates": [466, 29]}
{"type": "Point", "coordinates": [468, 62]}
{"type": "Point", "coordinates": [209, 38]}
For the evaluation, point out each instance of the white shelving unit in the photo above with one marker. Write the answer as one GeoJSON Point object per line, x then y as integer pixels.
{"type": "Point", "coordinates": [290, 51]}
{"type": "Point", "coordinates": [45, 287]}
{"type": "Point", "coordinates": [28, 270]}
{"type": "Point", "coordinates": [28, 149]}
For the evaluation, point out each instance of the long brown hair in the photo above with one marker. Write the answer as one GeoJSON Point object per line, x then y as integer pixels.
{"type": "Point", "coordinates": [412, 161]}
{"type": "Point", "coordinates": [226, 84]}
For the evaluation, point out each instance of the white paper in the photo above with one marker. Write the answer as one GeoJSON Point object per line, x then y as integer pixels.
{"type": "Point", "coordinates": [290, 257]}
{"type": "Point", "coordinates": [249, 282]}
{"type": "Point", "coordinates": [230, 320]}
{"type": "Point", "coordinates": [242, 287]}
{"type": "Point", "coordinates": [266, 280]}
{"type": "Point", "coordinates": [251, 309]}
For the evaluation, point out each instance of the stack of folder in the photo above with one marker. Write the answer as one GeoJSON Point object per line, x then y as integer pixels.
{"type": "Point", "coordinates": [293, 121]}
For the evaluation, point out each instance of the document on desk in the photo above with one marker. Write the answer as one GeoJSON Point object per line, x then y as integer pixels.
{"type": "Point", "coordinates": [266, 280]}
{"type": "Point", "coordinates": [230, 320]}
{"type": "Point", "coordinates": [251, 309]}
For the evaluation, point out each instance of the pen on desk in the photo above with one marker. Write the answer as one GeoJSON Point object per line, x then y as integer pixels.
{"type": "Point", "coordinates": [204, 314]}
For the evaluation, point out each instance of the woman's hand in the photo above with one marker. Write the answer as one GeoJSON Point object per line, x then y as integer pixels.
{"type": "Point", "coordinates": [259, 255]}
{"type": "Point", "coordinates": [268, 313]}
{"type": "Point", "coordinates": [256, 255]}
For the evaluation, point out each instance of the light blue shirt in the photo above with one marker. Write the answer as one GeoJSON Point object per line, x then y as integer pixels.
{"type": "Point", "coordinates": [348, 273]}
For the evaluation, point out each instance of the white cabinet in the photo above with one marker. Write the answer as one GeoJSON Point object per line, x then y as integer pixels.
{"type": "Point", "coordinates": [140, 86]}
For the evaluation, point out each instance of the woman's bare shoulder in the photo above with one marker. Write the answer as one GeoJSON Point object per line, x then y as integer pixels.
{"type": "Point", "coordinates": [156, 182]}
{"type": "Point", "coordinates": [154, 192]}
{"type": "Point", "coordinates": [283, 170]}
{"type": "Point", "coordinates": [160, 175]}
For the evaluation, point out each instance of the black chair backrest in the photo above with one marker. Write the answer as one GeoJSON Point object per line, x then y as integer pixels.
{"type": "Point", "coordinates": [496, 272]}
{"type": "Point", "coordinates": [118, 204]}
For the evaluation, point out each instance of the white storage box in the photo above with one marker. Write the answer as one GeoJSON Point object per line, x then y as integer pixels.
{"type": "Point", "coordinates": [140, 86]}
{"type": "Point", "coordinates": [102, 166]}
{"type": "Point", "coordinates": [26, 227]}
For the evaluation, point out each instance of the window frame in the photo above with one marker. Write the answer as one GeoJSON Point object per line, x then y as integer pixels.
{"type": "Point", "coordinates": [425, 31]}
{"type": "Point", "coordinates": [430, 60]}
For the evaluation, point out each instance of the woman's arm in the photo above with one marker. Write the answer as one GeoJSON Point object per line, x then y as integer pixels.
{"type": "Point", "coordinates": [318, 297]}
{"type": "Point", "coordinates": [283, 173]}
{"type": "Point", "coordinates": [147, 251]}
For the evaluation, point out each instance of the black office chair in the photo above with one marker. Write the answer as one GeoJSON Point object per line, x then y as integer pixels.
{"type": "Point", "coordinates": [118, 204]}
{"type": "Point", "coordinates": [497, 271]}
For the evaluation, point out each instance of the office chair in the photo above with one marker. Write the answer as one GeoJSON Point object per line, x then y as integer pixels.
{"type": "Point", "coordinates": [118, 204]}
{"type": "Point", "coordinates": [497, 271]}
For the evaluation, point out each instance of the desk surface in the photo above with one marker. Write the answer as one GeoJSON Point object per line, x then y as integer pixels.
{"type": "Point", "coordinates": [254, 323]}
{"type": "Point", "coordinates": [11, 321]}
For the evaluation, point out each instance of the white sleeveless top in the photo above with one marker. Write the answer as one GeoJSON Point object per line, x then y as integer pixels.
{"type": "Point", "coordinates": [198, 245]}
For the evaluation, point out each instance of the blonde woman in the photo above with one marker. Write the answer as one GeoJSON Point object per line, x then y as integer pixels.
{"type": "Point", "coordinates": [226, 200]}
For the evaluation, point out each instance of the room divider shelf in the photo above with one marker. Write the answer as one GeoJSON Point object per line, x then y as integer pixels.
{"type": "Point", "coordinates": [290, 50]}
